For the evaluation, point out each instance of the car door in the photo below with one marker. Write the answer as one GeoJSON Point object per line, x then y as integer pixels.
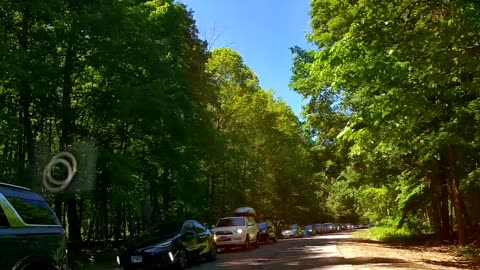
{"type": "Point", "coordinates": [204, 238]}
{"type": "Point", "coordinates": [189, 238]}
{"type": "Point", "coordinates": [252, 230]}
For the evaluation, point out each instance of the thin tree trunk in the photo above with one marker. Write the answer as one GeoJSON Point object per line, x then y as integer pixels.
{"type": "Point", "coordinates": [444, 213]}
{"type": "Point", "coordinates": [457, 197]}
{"type": "Point", "coordinates": [435, 209]}
{"type": "Point", "coordinates": [66, 139]}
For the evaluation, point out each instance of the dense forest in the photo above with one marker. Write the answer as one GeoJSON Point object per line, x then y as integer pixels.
{"type": "Point", "coordinates": [162, 128]}
{"type": "Point", "coordinates": [165, 129]}
{"type": "Point", "coordinates": [394, 102]}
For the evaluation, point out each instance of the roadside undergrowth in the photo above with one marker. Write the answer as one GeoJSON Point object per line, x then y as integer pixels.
{"type": "Point", "coordinates": [470, 252]}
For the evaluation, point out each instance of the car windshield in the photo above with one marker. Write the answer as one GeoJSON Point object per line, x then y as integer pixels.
{"type": "Point", "coordinates": [229, 222]}
{"type": "Point", "coordinates": [308, 227]}
{"type": "Point", "coordinates": [293, 227]}
{"type": "Point", "coordinates": [163, 230]}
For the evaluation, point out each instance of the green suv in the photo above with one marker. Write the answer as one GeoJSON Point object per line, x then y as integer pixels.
{"type": "Point", "coordinates": [31, 236]}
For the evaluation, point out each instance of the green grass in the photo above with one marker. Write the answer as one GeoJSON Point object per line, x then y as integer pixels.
{"type": "Point", "coordinates": [389, 234]}
{"type": "Point", "coordinates": [468, 251]}
{"type": "Point", "coordinates": [364, 234]}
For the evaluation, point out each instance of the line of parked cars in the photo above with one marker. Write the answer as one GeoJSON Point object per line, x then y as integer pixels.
{"type": "Point", "coordinates": [181, 243]}
{"type": "Point", "coordinates": [26, 216]}
{"type": "Point", "coordinates": [296, 230]}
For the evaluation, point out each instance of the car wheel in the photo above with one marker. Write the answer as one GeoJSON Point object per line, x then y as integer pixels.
{"type": "Point", "coordinates": [256, 245]}
{"type": "Point", "coordinates": [182, 261]}
{"type": "Point", "coordinates": [212, 255]}
{"type": "Point", "coordinates": [247, 242]}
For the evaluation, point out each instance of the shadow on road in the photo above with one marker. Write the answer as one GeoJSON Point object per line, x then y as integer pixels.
{"type": "Point", "coordinates": [300, 254]}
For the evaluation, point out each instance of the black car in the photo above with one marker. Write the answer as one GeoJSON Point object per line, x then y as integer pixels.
{"type": "Point", "coordinates": [30, 233]}
{"type": "Point", "coordinates": [267, 232]}
{"type": "Point", "coordinates": [168, 244]}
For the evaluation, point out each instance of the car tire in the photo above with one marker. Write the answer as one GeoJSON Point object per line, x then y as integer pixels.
{"type": "Point", "coordinates": [212, 255]}
{"type": "Point", "coordinates": [257, 244]}
{"type": "Point", "coordinates": [246, 246]}
{"type": "Point", "coordinates": [182, 262]}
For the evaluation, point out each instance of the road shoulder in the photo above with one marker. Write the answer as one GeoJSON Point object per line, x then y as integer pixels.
{"type": "Point", "coordinates": [366, 254]}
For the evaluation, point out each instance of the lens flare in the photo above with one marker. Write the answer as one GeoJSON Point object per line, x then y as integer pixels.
{"type": "Point", "coordinates": [69, 162]}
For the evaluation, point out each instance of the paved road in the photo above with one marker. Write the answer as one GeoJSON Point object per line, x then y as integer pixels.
{"type": "Point", "coordinates": [318, 252]}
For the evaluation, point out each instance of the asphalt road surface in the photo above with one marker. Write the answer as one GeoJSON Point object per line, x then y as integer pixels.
{"type": "Point", "coordinates": [317, 252]}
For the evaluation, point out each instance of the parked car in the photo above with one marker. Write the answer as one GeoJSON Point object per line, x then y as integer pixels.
{"type": "Point", "coordinates": [30, 232]}
{"type": "Point", "coordinates": [239, 231]}
{"type": "Point", "coordinates": [328, 227]}
{"type": "Point", "coordinates": [166, 244]}
{"type": "Point", "coordinates": [308, 230]}
{"type": "Point", "coordinates": [292, 231]}
{"type": "Point", "coordinates": [267, 232]}
{"type": "Point", "coordinates": [318, 229]}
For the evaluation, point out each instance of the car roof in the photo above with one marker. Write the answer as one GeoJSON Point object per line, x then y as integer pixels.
{"type": "Point", "coordinates": [19, 193]}
{"type": "Point", "coordinates": [6, 185]}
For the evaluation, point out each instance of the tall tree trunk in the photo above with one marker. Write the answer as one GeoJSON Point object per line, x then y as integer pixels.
{"type": "Point", "coordinates": [27, 149]}
{"type": "Point", "coordinates": [457, 197]}
{"type": "Point", "coordinates": [73, 229]}
{"type": "Point", "coordinates": [435, 209]}
{"type": "Point", "coordinates": [66, 139]}
{"type": "Point", "coordinates": [58, 207]}
{"type": "Point", "coordinates": [444, 213]}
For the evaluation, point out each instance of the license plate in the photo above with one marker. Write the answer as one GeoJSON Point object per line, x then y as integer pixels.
{"type": "Point", "coordinates": [137, 259]}
{"type": "Point", "coordinates": [224, 238]}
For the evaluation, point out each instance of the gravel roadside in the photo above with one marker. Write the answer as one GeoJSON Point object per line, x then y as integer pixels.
{"type": "Point", "coordinates": [365, 254]}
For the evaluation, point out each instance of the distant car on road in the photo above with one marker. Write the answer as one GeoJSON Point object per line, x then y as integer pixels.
{"type": "Point", "coordinates": [293, 231]}
{"type": "Point", "coordinates": [30, 233]}
{"type": "Point", "coordinates": [318, 229]}
{"type": "Point", "coordinates": [267, 231]}
{"type": "Point", "coordinates": [309, 230]}
{"type": "Point", "coordinates": [329, 227]}
{"type": "Point", "coordinates": [168, 244]}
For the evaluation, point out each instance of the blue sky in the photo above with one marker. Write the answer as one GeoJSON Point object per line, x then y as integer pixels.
{"type": "Point", "coordinates": [262, 31]}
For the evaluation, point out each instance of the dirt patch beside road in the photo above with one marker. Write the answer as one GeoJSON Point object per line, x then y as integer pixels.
{"type": "Point", "coordinates": [366, 254]}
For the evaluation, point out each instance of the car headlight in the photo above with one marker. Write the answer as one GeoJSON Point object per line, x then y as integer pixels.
{"type": "Point", "coordinates": [215, 238]}
{"type": "Point", "coordinates": [239, 231]}
{"type": "Point", "coordinates": [164, 244]}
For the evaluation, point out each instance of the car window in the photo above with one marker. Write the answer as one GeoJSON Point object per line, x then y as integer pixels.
{"type": "Point", "coordinates": [199, 228]}
{"type": "Point", "coordinates": [233, 221]}
{"type": "Point", "coordinates": [188, 226]}
{"type": "Point", "coordinates": [33, 211]}
{"type": "Point", "coordinates": [3, 219]}
{"type": "Point", "coordinates": [293, 227]}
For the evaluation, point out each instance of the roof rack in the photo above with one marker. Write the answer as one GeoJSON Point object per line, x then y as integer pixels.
{"type": "Point", "coordinates": [244, 211]}
{"type": "Point", "coordinates": [13, 186]}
